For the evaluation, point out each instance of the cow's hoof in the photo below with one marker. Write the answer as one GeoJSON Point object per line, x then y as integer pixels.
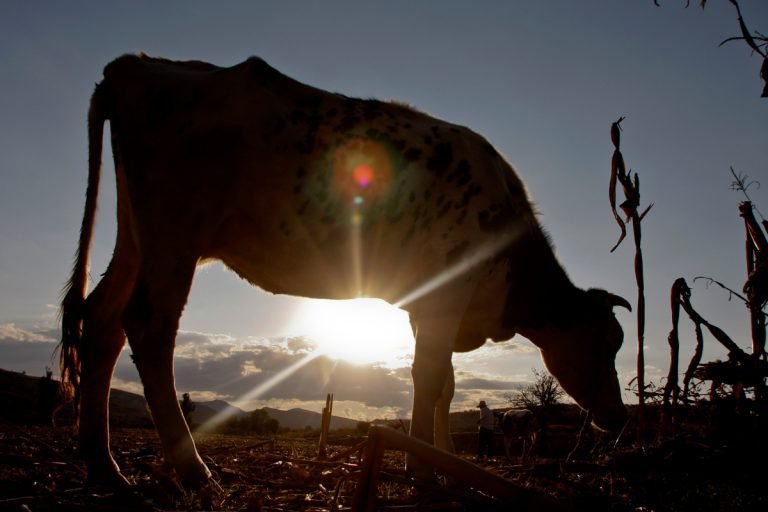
{"type": "Point", "coordinates": [196, 476]}
{"type": "Point", "coordinates": [107, 475]}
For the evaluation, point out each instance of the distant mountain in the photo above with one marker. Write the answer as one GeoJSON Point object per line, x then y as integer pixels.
{"type": "Point", "coordinates": [19, 397]}
{"type": "Point", "coordinates": [20, 402]}
{"type": "Point", "coordinates": [294, 419]}
{"type": "Point", "coordinates": [297, 419]}
{"type": "Point", "coordinates": [220, 406]}
{"type": "Point", "coordinates": [207, 410]}
{"type": "Point", "coordinates": [128, 409]}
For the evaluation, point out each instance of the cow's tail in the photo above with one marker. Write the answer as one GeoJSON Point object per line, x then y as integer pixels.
{"type": "Point", "coordinates": [72, 304]}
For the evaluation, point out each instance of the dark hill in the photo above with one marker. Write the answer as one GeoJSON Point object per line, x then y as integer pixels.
{"type": "Point", "coordinates": [297, 419]}
{"type": "Point", "coordinates": [21, 402]}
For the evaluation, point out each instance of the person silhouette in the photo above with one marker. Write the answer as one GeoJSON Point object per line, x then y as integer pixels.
{"type": "Point", "coordinates": [485, 435]}
{"type": "Point", "coordinates": [187, 406]}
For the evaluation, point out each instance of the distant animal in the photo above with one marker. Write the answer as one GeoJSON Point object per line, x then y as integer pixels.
{"type": "Point", "coordinates": [315, 194]}
{"type": "Point", "coordinates": [519, 425]}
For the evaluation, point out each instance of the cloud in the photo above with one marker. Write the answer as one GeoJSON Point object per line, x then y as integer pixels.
{"type": "Point", "coordinates": [515, 348]}
{"type": "Point", "coordinates": [10, 332]}
{"type": "Point", "coordinates": [473, 387]}
{"type": "Point", "coordinates": [23, 350]}
{"type": "Point", "coordinates": [213, 366]}
{"type": "Point", "coordinates": [466, 400]}
{"type": "Point", "coordinates": [299, 344]}
{"type": "Point", "coordinates": [190, 338]}
{"type": "Point", "coordinates": [481, 383]}
{"type": "Point", "coordinates": [227, 368]}
{"type": "Point", "coordinates": [131, 386]}
{"type": "Point", "coordinates": [519, 345]}
{"type": "Point", "coordinates": [207, 396]}
{"type": "Point", "coordinates": [23, 356]}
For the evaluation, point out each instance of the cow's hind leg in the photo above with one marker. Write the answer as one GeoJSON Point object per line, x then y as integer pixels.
{"type": "Point", "coordinates": [151, 322]}
{"type": "Point", "coordinates": [102, 341]}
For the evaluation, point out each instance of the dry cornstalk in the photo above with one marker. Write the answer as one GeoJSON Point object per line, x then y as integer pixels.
{"type": "Point", "coordinates": [631, 186]}
{"type": "Point", "coordinates": [751, 41]}
{"type": "Point", "coordinates": [672, 389]}
{"type": "Point", "coordinates": [756, 287]}
{"type": "Point", "coordinates": [757, 42]}
{"type": "Point", "coordinates": [505, 491]}
{"type": "Point", "coordinates": [325, 424]}
{"type": "Point", "coordinates": [694, 363]}
{"type": "Point", "coordinates": [734, 351]}
{"type": "Point", "coordinates": [358, 448]}
{"type": "Point", "coordinates": [310, 462]}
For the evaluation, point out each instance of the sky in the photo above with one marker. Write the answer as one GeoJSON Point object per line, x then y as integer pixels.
{"type": "Point", "coordinates": [542, 81]}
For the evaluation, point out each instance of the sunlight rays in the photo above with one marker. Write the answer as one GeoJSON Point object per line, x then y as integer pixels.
{"type": "Point", "coordinates": [362, 174]}
{"type": "Point", "coordinates": [481, 254]}
{"type": "Point", "coordinates": [262, 388]}
{"type": "Point", "coordinates": [356, 248]}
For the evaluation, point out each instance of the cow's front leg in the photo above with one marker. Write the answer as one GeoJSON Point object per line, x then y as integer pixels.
{"type": "Point", "coordinates": [151, 323]}
{"type": "Point", "coordinates": [443, 438]}
{"type": "Point", "coordinates": [431, 366]}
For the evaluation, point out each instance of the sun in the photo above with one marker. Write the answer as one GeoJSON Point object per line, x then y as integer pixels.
{"type": "Point", "coordinates": [359, 331]}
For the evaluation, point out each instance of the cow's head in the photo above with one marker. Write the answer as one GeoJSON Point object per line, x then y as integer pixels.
{"type": "Point", "coordinates": [581, 354]}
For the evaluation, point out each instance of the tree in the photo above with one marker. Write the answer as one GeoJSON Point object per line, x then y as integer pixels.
{"type": "Point", "coordinates": [543, 393]}
{"type": "Point", "coordinates": [256, 422]}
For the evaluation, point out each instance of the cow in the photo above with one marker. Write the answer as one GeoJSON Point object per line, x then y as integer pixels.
{"type": "Point", "coordinates": [519, 425]}
{"type": "Point", "coordinates": [315, 194]}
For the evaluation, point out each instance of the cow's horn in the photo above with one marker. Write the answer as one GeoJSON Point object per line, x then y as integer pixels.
{"type": "Point", "coordinates": [615, 300]}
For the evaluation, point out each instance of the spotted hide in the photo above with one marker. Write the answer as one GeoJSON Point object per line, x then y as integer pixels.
{"type": "Point", "coordinates": [309, 193]}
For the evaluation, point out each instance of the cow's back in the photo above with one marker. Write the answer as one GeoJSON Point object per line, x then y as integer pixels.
{"type": "Point", "coordinates": [307, 192]}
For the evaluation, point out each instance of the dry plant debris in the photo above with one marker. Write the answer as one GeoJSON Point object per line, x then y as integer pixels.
{"type": "Point", "coordinates": [40, 470]}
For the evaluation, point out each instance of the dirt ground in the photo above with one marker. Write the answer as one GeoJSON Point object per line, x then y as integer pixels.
{"type": "Point", "coordinates": [41, 470]}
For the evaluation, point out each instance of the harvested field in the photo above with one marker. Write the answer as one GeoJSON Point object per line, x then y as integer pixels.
{"type": "Point", "coordinates": [40, 470]}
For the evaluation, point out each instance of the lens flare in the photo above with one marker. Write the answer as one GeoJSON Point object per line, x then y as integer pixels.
{"type": "Point", "coordinates": [363, 175]}
{"type": "Point", "coordinates": [362, 171]}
